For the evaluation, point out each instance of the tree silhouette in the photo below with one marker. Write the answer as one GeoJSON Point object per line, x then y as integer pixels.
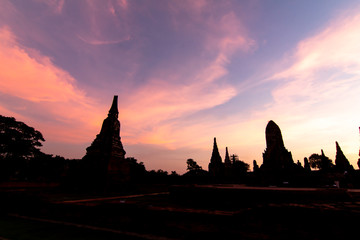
{"type": "Point", "coordinates": [315, 161]}
{"type": "Point", "coordinates": [18, 140]}
{"type": "Point", "coordinates": [174, 173]}
{"type": "Point", "coordinates": [240, 167]}
{"type": "Point", "coordinates": [192, 165]}
{"type": "Point", "coordinates": [19, 144]}
{"type": "Point", "coordinates": [137, 170]}
{"type": "Point", "coordinates": [320, 162]}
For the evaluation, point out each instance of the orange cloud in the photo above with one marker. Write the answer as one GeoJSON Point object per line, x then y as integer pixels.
{"type": "Point", "coordinates": [26, 74]}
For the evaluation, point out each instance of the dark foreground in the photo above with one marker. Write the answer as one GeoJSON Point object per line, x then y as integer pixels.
{"type": "Point", "coordinates": [189, 212]}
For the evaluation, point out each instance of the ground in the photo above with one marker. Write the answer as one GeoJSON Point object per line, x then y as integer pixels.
{"type": "Point", "coordinates": [157, 212]}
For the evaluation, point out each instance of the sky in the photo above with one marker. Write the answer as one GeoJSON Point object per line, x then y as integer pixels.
{"type": "Point", "coordinates": [185, 72]}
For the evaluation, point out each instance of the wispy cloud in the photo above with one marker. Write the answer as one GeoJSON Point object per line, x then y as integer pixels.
{"type": "Point", "coordinates": [27, 75]}
{"type": "Point", "coordinates": [103, 42]}
{"type": "Point", "coordinates": [55, 5]}
{"type": "Point", "coordinates": [167, 96]}
{"type": "Point", "coordinates": [320, 86]}
{"type": "Point", "coordinates": [324, 66]}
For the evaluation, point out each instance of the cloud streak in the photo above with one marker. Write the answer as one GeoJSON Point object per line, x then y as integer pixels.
{"type": "Point", "coordinates": [154, 109]}
{"type": "Point", "coordinates": [324, 66]}
{"type": "Point", "coordinates": [150, 111]}
{"type": "Point", "coordinates": [103, 42]}
{"type": "Point", "coordinates": [320, 86]}
{"type": "Point", "coordinates": [39, 85]}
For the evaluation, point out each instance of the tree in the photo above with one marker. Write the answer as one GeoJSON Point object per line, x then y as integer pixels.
{"type": "Point", "coordinates": [240, 167]}
{"type": "Point", "coordinates": [320, 162]}
{"type": "Point", "coordinates": [315, 161]}
{"type": "Point", "coordinates": [174, 174]}
{"type": "Point", "coordinates": [192, 165]}
{"type": "Point", "coordinates": [137, 170]}
{"type": "Point", "coordinates": [18, 140]}
{"type": "Point", "coordinates": [19, 143]}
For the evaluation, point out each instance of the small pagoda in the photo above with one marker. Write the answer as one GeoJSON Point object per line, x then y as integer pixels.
{"type": "Point", "coordinates": [105, 158]}
{"type": "Point", "coordinates": [216, 166]}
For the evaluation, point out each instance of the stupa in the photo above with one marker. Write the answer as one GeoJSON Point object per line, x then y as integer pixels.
{"type": "Point", "coordinates": [105, 157]}
{"type": "Point", "coordinates": [276, 156]}
{"type": "Point", "coordinates": [342, 163]}
{"type": "Point", "coordinates": [216, 166]}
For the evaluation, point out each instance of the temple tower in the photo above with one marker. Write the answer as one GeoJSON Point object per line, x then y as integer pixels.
{"type": "Point", "coordinates": [227, 164]}
{"type": "Point", "coordinates": [216, 166]}
{"type": "Point", "coordinates": [342, 163]}
{"type": "Point", "coordinates": [105, 157]}
{"type": "Point", "coordinates": [276, 156]}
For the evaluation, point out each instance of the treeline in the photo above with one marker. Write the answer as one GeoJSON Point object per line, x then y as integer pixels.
{"type": "Point", "coordinates": [21, 158]}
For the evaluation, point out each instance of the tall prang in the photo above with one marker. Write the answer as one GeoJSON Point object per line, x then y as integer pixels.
{"type": "Point", "coordinates": [228, 167]}
{"type": "Point", "coordinates": [276, 156]}
{"type": "Point", "coordinates": [105, 157]}
{"type": "Point", "coordinates": [341, 162]}
{"type": "Point", "coordinates": [216, 166]}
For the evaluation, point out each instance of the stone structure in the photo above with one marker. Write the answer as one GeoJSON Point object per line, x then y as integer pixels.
{"type": "Point", "coordinates": [216, 166]}
{"type": "Point", "coordinates": [341, 162]}
{"type": "Point", "coordinates": [255, 166]}
{"type": "Point", "coordinates": [307, 167]}
{"type": "Point", "coordinates": [276, 157]}
{"type": "Point", "coordinates": [105, 158]}
{"type": "Point", "coordinates": [228, 168]}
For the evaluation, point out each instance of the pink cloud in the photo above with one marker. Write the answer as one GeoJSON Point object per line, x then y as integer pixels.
{"type": "Point", "coordinates": [103, 42]}
{"type": "Point", "coordinates": [123, 3]}
{"type": "Point", "coordinates": [55, 5]}
{"type": "Point", "coordinates": [324, 65]}
{"type": "Point", "coordinates": [151, 110]}
{"type": "Point", "coordinates": [105, 21]}
{"type": "Point", "coordinates": [318, 86]}
{"type": "Point", "coordinates": [149, 114]}
{"type": "Point", "coordinates": [26, 74]}
{"type": "Point", "coordinates": [333, 47]}
{"type": "Point", "coordinates": [23, 73]}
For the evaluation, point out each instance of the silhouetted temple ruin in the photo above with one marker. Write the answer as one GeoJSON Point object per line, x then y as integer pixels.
{"type": "Point", "coordinates": [342, 163]}
{"type": "Point", "coordinates": [227, 164]}
{"type": "Point", "coordinates": [276, 156]}
{"type": "Point", "coordinates": [105, 158]}
{"type": "Point", "coordinates": [216, 166]}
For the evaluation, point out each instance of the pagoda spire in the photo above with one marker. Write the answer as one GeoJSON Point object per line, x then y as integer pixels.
{"type": "Point", "coordinates": [114, 107]}
{"type": "Point", "coordinates": [227, 157]}
{"type": "Point", "coordinates": [228, 171]}
{"type": "Point", "coordinates": [105, 158]}
{"type": "Point", "coordinates": [215, 154]}
{"type": "Point", "coordinates": [341, 162]}
{"type": "Point", "coordinates": [216, 166]}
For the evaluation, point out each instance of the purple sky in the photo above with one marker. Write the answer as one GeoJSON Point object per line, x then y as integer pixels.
{"type": "Point", "coordinates": [185, 72]}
